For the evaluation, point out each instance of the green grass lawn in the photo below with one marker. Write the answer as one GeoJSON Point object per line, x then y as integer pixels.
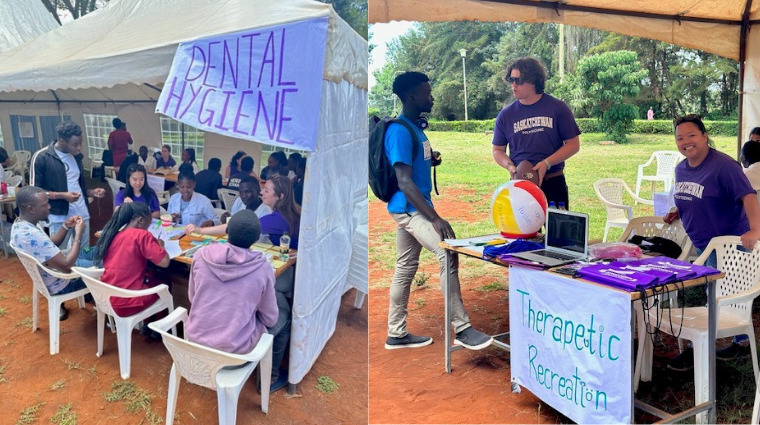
{"type": "Point", "coordinates": [467, 163]}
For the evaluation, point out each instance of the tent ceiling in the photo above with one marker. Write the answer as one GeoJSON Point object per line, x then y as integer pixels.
{"type": "Point", "coordinates": [23, 20]}
{"type": "Point", "coordinates": [710, 25]}
{"type": "Point", "coordinates": [129, 43]}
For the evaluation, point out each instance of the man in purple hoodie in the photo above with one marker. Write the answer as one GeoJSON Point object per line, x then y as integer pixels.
{"type": "Point", "coordinates": [231, 290]}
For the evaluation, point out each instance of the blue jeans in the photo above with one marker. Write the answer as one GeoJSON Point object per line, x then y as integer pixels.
{"type": "Point", "coordinates": [73, 286]}
{"type": "Point", "coordinates": [712, 261]}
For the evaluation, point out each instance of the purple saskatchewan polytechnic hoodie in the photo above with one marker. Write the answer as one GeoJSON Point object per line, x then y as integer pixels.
{"type": "Point", "coordinates": [232, 298]}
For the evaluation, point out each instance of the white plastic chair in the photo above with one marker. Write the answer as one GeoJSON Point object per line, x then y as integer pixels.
{"type": "Point", "coordinates": [7, 174]}
{"type": "Point", "coordinates": [102, 293]}
{"type": "Point", "coordinates": [14, 181]}
{"type": "Point", "coordinates": [228, 197]}
{"type": "Point", "coordinates": [115, 186]}
{"type": "Point", "coordinates": [734, 295]}
{"type": "Point", "coordinates": [32, 267]}
{"type": "Point", "coordinates": [666, 169]}
{"type": "Point", "coordinates": [224, 372]}
{"type": "Point", "coordinates": [20, 162]}
{"type": "Point", "coordinates": [610, 193]}
{"type": "Point", "coordinates": [654, 226]}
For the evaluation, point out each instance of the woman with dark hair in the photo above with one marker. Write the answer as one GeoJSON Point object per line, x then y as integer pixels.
{"type": "Point", "coordinates": [286, 218]}
{"type": "Point", "coordinates": [713, 198]}
{"type": "Point", "coordinates": [277, 163]}
{"type": "Point", "coordinates": [165, 160]}
{"type": "Point", "coordinates": [754, 135]}
{"type": "Point", "coordinates": [124, 248]}
{"type": "Point", "coordinates": [118, 141]}
{"type": "Point", "coordinates": [137, 190]}
{"type": "Point", "coordinates": [188, 157]}
{"type": "Point", "coordinates": [234, 166]}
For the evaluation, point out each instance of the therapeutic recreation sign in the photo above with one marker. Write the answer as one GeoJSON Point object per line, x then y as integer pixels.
{"type": "Point", "coordinates": [571, 345]}
{"type": "Point", "coordinates": [264, 84]}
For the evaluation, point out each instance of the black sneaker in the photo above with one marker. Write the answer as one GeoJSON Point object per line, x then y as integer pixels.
{"type": "Point", "coordinates": [473, 339]}
{"type": "Point", "coordinates": [63, 314]}
{"type": "Point", "coordinates": [408, 341]}
{"type": "Point", "coordinates": [683, 362]}
{"type": "Point", "coordinates": [733, 351]}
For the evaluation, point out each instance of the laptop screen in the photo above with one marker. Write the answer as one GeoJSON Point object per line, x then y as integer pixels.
{"type": "Point", "coordinates": [567, 231]}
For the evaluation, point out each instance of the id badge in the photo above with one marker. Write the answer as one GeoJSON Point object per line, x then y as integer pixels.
{"type": "Point", "coordinates": [428, 152]}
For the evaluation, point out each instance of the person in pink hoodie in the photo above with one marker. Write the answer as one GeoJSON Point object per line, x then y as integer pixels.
{"type": "Point", "coordinates": [231, 290]}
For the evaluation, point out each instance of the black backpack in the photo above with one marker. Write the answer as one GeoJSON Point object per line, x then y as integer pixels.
{"type": "Point", "coordinates": [382, 176]}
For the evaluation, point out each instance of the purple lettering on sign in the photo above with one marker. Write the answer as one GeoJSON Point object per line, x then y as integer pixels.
{"type": "Point", "coordinates": [268, 58]}
{"type": "Point", "coordinates": [239, 113]}
{"type": "Point", "coordinates": [173, 95]}
{"type": "Point", "coordinates": [250, 55]}
{"type": "Point", "coordinates": [210, 67]}
{"type": "Point", "coordinates": [227, 59]}
{"type": "Point", "coordinates": [210, 111]}
{"type": "Point", "coordinates": [220, 124]}
{"type": "Point", "coordinates": [261, 108]}
{"type": "Point", "coordinates": [282, 62]}
{"type": "Point", "coordinates": [282, 115]}
{"type": "Point", "coordinates": [192, 62]}
{"type": "Point", "coordinates": [189, 104]}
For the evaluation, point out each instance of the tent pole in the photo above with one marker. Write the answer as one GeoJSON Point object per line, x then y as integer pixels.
{"type": "Point", "coordinates": [182, 134]}
{"type": "Point", "coordinates": [742, 59]}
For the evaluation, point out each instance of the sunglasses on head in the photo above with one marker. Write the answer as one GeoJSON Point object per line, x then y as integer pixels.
{"type": "Point", "coordinates": [687, 118]}
{"type": "Point", "coordinates": [517, 80]}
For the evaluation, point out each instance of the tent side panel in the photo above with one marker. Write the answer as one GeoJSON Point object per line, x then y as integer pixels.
{"type": "Point", "coordinates": [335, 183]}
{"type": "Point", "coordinates": [751, 102]}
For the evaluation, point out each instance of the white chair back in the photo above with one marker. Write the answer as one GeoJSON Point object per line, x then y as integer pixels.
{"type": "Point", "coordinates": [33, 267]}
{"type": "Point", "coordinates": [228, 196]}
{"type": "Point", "coordinates": [14, 181]}
{"type": "Point", "coordinates": [610, 192]}
{"type": "Point", "coordinates": [115, 186]}
{"type": "Point", "coordinates": [742, 271]}
{"type": "Point", "coordinates": [654, 226]}
{"type": "Point", "coordinates": [666, 163]}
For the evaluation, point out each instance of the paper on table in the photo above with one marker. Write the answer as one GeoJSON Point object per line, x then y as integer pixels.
{"type": "Point", "coordinates": [172, 248]}
{"type": "Point", "coordinates": [473, 241]}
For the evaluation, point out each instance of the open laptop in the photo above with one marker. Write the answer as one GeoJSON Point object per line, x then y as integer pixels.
{"type": "Point", "coordinates": [566, 239]}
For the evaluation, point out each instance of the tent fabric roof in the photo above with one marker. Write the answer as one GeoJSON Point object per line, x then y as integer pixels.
{"type": "Point", "coordinates": [132, 42]}
{"type": "Point", "coordinates": [710, 25]}
{"type": "Point", "coordinates": [23, 20]}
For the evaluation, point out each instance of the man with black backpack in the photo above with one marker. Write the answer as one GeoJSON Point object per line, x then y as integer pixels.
{"type": "Point", "coordinates": [419, 225]}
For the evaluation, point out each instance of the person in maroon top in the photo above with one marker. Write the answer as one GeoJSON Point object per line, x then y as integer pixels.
{"type": "Point", "coordinates": [125, 253]}
{"type": "Point", "coordinates": [119, 141]}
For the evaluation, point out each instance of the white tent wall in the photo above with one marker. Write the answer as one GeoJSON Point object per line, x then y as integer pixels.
{"type": "Point", "coordinates": [23, 20]}
{"type": "Point", "coordinates": [751, 84]}
{"type": "Point", "coordinates": [335, 185]}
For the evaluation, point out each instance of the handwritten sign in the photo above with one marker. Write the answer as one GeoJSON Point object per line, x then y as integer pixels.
{"type": "Point", "coordinates": [571, 345]}
{"type": "Point", "coordinates": [264, 84]}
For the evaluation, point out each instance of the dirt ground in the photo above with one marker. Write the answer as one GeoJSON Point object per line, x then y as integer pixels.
{"type": "Point", "coordinates": [31, 378]}
{"type": "Point", "coordinates": [411, 386]}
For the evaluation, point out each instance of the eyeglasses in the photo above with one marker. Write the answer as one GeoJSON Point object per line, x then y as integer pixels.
{"type": "Point", "coordinates": [687, 118]}
{"type": "Point", "coordinates": [516, 80]}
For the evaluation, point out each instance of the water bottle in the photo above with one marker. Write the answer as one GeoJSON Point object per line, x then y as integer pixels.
{"type": "Point", "coordinates": [562, 206]}
{"type": "Point", "coordinates": [4, 188]}
{"type": "Point", "coordinates": [552, 204]}
{"type": "Point", "coordinates": [284, 246]}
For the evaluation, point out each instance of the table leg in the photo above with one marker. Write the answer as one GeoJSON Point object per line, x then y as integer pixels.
{"type": "Point", "coordinates": [447, 313]}
{"type": "Point", "coordinates": [712, 317]}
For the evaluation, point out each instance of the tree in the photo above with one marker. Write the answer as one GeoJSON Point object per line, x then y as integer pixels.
{"type": "Point", "coordinates": [77, 8]}
{"type": "Point", "coordinates": [354, 12]}
{"type": "Point", "coordinates": [609, 81]}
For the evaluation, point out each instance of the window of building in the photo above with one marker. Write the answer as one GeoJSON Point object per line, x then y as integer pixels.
{"type": "Point", "coordinates": [171, 134]}
{"type": "Point", "coordinates": [97, 127]}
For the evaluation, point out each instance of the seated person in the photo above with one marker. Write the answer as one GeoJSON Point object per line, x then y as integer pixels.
{"type": "Point", "coordinates": [124, 248]}
{"type": "Point", "coordinates": [298, 183]}
{"type": "Point", "coordinates": [286, 218]}
{"type": "Point", "coordinates": [185, 169]}
{"type": "Point", "coordinates": [276, 163]}
{"type": "Point", "coordinates": [234, 165]}
{"type": "Point", "coordinates": [293, 161]}
{"type": "Point", "coordinates": [147, 161]}
{"type": "Point", "coordinates": [5, 161]}
{"type": "Point", "coordinates": [241, 280]}
{"type": "Point", "coordinates": [188, 157]}
{"type": "Point", "coordinates": [137, 190]}
{"type": "Point", "coordinates": [248, 199]}
{"type": "Point", "coordinates": [33, 207]}
{"type": "Point", "coordinates": [246, 169]}
{"type": "Point", "coordinates": [165, 163]}
{"type": "Point", "coordinates": [209, 180]}
{"type": "Point", "coordinates": [188, 207]}
{"type": "Point", "coordinates": [122, 174]}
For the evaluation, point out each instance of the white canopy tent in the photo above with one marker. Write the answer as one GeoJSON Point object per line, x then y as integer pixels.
{"type": "Point", "coordinates": [722, 27]}
{"type": "Point", "coordinates": [115, 61]}
{"type": "Point", "coordinates": [21, 21]}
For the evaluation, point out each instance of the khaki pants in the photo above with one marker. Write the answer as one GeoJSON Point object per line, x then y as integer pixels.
{"type": "Point", "coordinates": [413, 233]}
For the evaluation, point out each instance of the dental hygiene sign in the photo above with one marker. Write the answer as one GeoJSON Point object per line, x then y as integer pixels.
{"type": "Point", "coordinates": [263, 84]}
{"type": "Point", "coordinates": [571, 345]}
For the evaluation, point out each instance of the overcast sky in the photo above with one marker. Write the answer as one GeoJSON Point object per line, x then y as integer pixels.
{"type": "Point", "coordinates": [380, 35]}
